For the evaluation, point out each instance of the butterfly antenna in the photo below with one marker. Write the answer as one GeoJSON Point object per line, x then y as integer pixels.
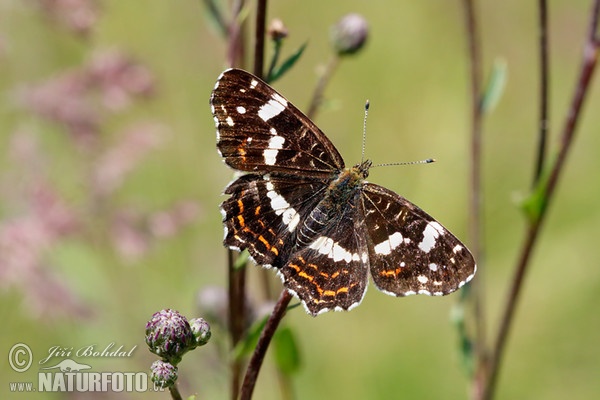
{"type": "Point", "coordinates": [364, 138]}
{"type": "Point", "coordinates": [427, 161]}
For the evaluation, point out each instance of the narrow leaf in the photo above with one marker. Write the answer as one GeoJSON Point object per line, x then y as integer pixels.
{"type": "Point", "coordinates": [278, 72]}
{"type": "Point", "coordinates": [494, 87]}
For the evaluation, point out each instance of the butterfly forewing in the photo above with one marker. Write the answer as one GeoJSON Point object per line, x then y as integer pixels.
{"type": "Point", "coordinates": [260, 131]}
{"type": "Point", "coordinates": [410, 252]}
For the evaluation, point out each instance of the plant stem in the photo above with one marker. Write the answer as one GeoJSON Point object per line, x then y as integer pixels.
{"type": "Point", "coordinates": [235, 50]}
{"type": "Point", "coordinates": [175, 395]}
{"type": "Point", "coordinates": [475, 202]}
{"type": "Point", "coordinates": [544, 67]}
{"type": "Point", "coordinates": [237, 317]}
{"type": "Point", "coordinates": [325, 77]}
{"type": "Point", "coordinates": [236, 276]}
{"type": "Point", "coordinates": [590, 57]}
{"type": "Point", "coordinates": [263, 344]}
{"type": "Point", "coordinates": [259, 38]}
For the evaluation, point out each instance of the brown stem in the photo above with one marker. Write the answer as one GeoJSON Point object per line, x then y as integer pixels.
{"type": "Point", "coordinates": [475, 202]}
{"type": "Point", "coordinates": [259, 38]}
{"type": "Point", "coordinates": [544, 67]}
{"type": "Point", "coordinates": [263, 344]}
{"type": "Point", "coordinates": [590, 57]}
{"type": "Point", "coordinates": [237, 317]}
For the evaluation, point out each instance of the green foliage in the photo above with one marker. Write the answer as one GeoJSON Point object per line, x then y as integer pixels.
{"type": "Point", "coordinates": [286, 351]}
{"type": "Point", "coordinates": [276, 72]}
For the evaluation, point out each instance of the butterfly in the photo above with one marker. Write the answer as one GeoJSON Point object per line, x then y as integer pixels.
{"type": "Point", "coordinates": [322, 226]}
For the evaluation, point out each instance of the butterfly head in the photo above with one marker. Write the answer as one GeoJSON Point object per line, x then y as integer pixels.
{"type": "Point", "coordinates": [363, 168]}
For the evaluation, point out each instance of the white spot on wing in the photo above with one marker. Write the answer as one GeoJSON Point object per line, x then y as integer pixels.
{"type": "Point", "coordinates": [241, 110]}
{"type": "Point", "coordinates": [390, 244]}
{"type": "Point", "coordinates": [253, 83]}
{"type": "Point", "coordinates": [229, 121]}
{"type": "Point", "coordinates": [333, 250]}
{"type": "Point", "coordinates": [272, 108]}
{"type": "Point", "coordinates": [433, 267]}
{"type": "Point", "coordinates": [289, 215]}
{"type": "Point", "coordinates": [276, 142]}
{"type": "Point", "coordinates": [422, 279]}
{"type": "Point", "coordinates": [432, 231]}
{"type": "Point", "coordinates": [270, 154]}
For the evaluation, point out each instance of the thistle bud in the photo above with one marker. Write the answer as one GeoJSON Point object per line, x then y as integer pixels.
{"type": "Point", "coordinates": [163, 374]}
{"type": "Point", "coordinates": [350, 34]}
{"type": "Point", "coordinates": [200, 330]}
{"type": "Point", "coordinates": [169, 335]}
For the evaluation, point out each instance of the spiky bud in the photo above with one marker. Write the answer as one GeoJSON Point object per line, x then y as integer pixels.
{"type": "Point", "coordinates": [169, 335]}
{"type": "Point", "coordinates": [163, 374]}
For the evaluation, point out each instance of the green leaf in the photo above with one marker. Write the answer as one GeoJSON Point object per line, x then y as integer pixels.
{"type": "Point", "coordinates": [466, 348]}
{"type": "Point", "coordinates": [241, 260]}
{"type": "Point", "coordinates": [278, 72]}
{"type": "Point", "coordinates": [285, 351]}
{"type": "Point", "coordinates": [535, 204]}
{"type": "Point", "coordinates": [494, 87]}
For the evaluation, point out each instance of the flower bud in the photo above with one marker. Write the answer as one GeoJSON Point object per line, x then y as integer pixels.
{"type": "Point", "coordinates": [277, 30]}
{"type": "Point", "coordinates": [169, 335]}
{"type": "Point", "coordinates": [200, 330]}
{"type": "Point", "coordinates": [163, 374]}
{"type": "Point", "coordinates": [350, 34]}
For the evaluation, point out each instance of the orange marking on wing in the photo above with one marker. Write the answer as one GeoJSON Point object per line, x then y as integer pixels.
{"type": "Point", "coordinates": [241, 220]}
{"type": "Point", "coordinates": [390, 273]}
{"type": "Point", "coordinates": [264, 241]}
{"type": "Point", "coordinates": [257, 210]}
{"type": "Point", "coordinates": [240, 205]}
{"type": "Point", "coordinates": [335, 274]}
{"type": "Point", "coordinates": [306, 276]}
{"type": "Point", "coordinates": [294, 267]}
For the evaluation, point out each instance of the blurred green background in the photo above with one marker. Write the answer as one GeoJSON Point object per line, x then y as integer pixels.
{"type": "Point", "coordinates": [94, 268]}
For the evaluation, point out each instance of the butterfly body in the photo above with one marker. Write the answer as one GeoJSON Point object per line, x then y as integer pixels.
{"type": "Point", "coordinates": [321, 225]}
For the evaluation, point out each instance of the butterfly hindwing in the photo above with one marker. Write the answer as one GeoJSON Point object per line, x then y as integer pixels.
{"type": "Point", "coordinates": [331, 273]}
{"type": "Point", "coordinates": [260, 131]}
{"type": "Point", "coordinates": [264, 212]}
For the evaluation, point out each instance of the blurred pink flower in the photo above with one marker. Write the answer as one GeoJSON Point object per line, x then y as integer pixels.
{"type": "Point", "coordinates": [63, 99]}
{"type": "Point", "coordinates": [25, 242]}
{"type": "Point", "coordinates": [112, 167]}
{"type": "Point", "coordinates": [79, 16]}
{"type": "Point", "coordinates": [134, 233]}
{"type": "Point", "coordinates": [71, 98]}
{"type": "Point", "coordinates": [119, 78]}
